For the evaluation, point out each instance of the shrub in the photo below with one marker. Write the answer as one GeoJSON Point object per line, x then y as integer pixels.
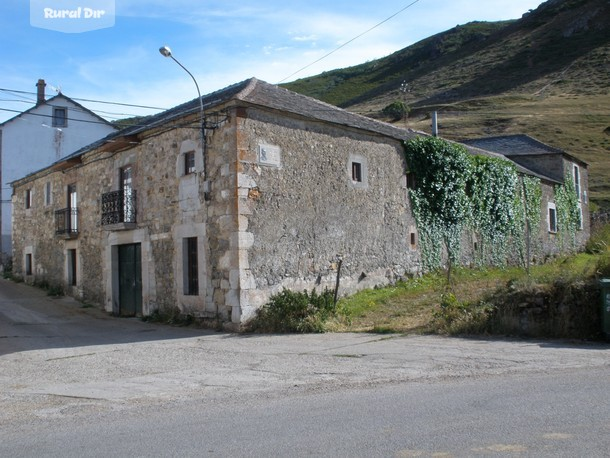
{"type": "Point", "coordinates": [290, 311]}
{"type": "Point", "coordinates": [456, 317]}
{"type": "Point", "coordinates": [396, 110]}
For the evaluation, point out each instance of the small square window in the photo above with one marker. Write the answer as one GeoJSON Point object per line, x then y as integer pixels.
{"type": "Point", "coordinates": [60, 117]}
{"type": "Point", "coordinates": [189, 162]}
{"type": "Point", "coordinates": [357, 172]}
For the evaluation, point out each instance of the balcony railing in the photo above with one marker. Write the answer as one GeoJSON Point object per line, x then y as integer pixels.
{"type": "Point", "coordinates": [119, 207]}
{"type": "Point", "coordinates": [66, 222]}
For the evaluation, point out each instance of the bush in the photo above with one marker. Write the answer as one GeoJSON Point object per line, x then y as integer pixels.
{"type": "Point", "coordinates": [291, 311]}
{"type": "Point", "coordinates": [396, 110]}
{"type": "Point", "coordinates": [456, 317]}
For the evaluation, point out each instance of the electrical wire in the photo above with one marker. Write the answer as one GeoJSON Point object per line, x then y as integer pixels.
{"type": "Point", "coordinates": [349, 41]}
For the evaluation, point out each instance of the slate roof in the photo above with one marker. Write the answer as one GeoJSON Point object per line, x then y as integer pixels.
{"type": "Point", "coordinates": [257, 92]}
{"type": "Point", "coordinates": [517, 145]}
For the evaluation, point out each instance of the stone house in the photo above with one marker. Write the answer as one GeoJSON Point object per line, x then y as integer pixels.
{"type": "Point", "coordinates": [38, 137]}
{"type": "Point", "coordinates": [284, 192]}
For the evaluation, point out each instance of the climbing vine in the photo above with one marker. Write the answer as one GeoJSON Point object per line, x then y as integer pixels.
{"type": "Point", "coordinates": [492, 190]}
{"type": "Point", "coordinates": [455, 190]}
{"type": "Point", "coordinates": [568, 213]}
{"type": "Point", "coordinates": [439, 200]}
{"type": "Point", "coordinates": [528, 201]}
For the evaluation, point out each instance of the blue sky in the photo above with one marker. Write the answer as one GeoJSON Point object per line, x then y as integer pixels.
{"type": "Point", "coordinates": [221, 43]}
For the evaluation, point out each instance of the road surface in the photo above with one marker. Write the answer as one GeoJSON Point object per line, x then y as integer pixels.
{"type": "Point", "coordinates": [77, 382]}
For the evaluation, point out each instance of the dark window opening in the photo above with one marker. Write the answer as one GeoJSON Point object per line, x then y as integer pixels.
{"type": "Point", "coordinates": [357, 172]}
{"type": "Point", "coordinates": [552, 220]}
{"type": "Point", "coordinates": [413, 239]}
{"type": "Point", "coordinates": [47, 193]}
{"type": "Point", "coordinates": [189, 162]}
{"type": "Point", "coordinates": [411, 180]}
{"type": "Point", "coordinates": [28, 264]}
{"type": "Point", "coordinates": [72, 267]}
{"type": "Point", "coordinates": [192, 268]}
{"type": "Point", "coordinates": [28, 198]}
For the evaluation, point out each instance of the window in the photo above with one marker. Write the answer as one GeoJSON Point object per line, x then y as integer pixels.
{"type": "Point", "coordinates": [47, 193]}
{"type": "Point", "coordinates": [577, 181]}
{"type": "Point", "coordinates": [413, 240]}
{"type": "Point", "coordinates": [60, 117]}
{"type": "Point", "coordinates": [28, 264]}
{"type": "Point", "coordinates": [72, 208]}
{"type": "Point", "coordinates": [189, 162]}
{"type": "Point", "coordinates": [410, 180]}
{"type": "Point", "coordinates": [28, 198]}
{"type": "Point", "coordinates": [191, 283]}
{"type": "Point", "coordinates": [357, 172]}
{"type": "Point", "coordinates": [552, 218]}
{"type": "Point", "coordinates": [71, 254]}
{"type": "Point", "coordinates": [129, 210]}
{"type": "Point", "coordinates": [580, 218]}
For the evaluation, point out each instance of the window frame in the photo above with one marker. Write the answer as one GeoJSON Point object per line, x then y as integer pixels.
{"type": "Point", "coordinates": [577, 181]}
{"type": "Point", "coordinates": [356, 172]}
{"type": "Point", "coordinates": [56, 118]}
{"type": "Point", "coordinates": [28, 264]}
{"type": "Point", "coordinates": [29, 198]}
{"type": "Point", "coordinates": [191, 266]}
{"type": "Point", "coordinates": [48, 193]}
{"type": "Point", "coordinates": [72, 260]}
{"type": "Point", "coordinates": [552, 221]}
{"type": "Point", "coordinates": [189, 163]}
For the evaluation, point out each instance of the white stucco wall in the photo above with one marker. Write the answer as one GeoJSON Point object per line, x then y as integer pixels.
{"type": "Point", "coordinates": [30, 143]}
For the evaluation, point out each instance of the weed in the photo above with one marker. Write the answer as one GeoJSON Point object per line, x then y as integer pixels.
{"type": "Point", "coordinates": [290, 311]}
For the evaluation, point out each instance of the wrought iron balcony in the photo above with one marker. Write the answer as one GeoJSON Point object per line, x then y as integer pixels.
{"type": "Point", "coordinates": [119, 207]}
{"type": "Point", "coordinates": [66, 222]}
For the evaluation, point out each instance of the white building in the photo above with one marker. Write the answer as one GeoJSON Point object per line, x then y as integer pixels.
{"type": "Point", "coordinates": [38, 137]}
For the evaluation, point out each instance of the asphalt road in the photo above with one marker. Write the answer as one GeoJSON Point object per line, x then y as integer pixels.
{"type": "Point", "coordinates": [77, 382]}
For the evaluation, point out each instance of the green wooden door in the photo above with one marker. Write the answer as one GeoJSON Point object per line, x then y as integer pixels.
{"type": "Point", "coordinates": [130, 280]}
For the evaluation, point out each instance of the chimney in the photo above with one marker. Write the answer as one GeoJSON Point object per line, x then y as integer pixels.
{"type": "Point", "coordinates": [434, 124]}
{"type": "Point", "coordinates": [40, 94]}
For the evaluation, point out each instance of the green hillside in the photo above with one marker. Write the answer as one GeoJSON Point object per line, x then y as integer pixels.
{"type": "Point", "coordinates": [546, 75]}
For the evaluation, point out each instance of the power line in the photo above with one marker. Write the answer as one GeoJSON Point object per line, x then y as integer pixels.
{"type": "Point", "coordinates": [88, 100]}
{"type": "Point", "coordinates": [349, 41]}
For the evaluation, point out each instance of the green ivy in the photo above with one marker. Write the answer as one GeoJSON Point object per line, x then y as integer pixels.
{"type": "Point", "coordinates": [439, 201]}
{"type": "Point", "coordinates": [568, 214]}
{"type": "Point", "coordinates": [528, 201]}
{"type": "Point", "coordinates": [492, 190]}
{"type": "Point", "coordinates": [456, 190]}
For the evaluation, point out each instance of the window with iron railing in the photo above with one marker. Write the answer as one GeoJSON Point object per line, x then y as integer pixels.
{"type": "Point", "coordinates": [66, 221]}
{"type": "Point", "coordinates": [119, 207]}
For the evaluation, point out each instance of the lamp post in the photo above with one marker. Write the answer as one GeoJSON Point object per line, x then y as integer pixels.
{"type": "Point", "coordinates": [167, 52]}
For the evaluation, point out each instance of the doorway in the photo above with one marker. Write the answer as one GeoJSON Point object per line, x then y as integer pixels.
{"type": "Point", "coordinates": [130, 279]}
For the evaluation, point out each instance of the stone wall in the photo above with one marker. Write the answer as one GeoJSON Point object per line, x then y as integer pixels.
{"type": "Point", "coordinates": [300, 210]}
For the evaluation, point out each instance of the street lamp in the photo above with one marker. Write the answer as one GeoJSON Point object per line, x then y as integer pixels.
{"type": "Point", "coordinates": [167, 52]}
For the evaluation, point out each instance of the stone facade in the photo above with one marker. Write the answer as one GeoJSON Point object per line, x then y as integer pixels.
{"type": "Point", "coordinates": [286, 192]}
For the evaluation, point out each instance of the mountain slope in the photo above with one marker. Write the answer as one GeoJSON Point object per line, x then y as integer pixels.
{"type": "Point", "coordinates": [546, 74]}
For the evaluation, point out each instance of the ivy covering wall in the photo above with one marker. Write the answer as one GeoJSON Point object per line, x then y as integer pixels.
{"type": "Point", "coordinates": [455, 191]}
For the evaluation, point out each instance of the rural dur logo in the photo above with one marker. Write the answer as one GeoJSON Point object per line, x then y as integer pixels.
{"type": "Point", "coordinates": [72, 16]}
